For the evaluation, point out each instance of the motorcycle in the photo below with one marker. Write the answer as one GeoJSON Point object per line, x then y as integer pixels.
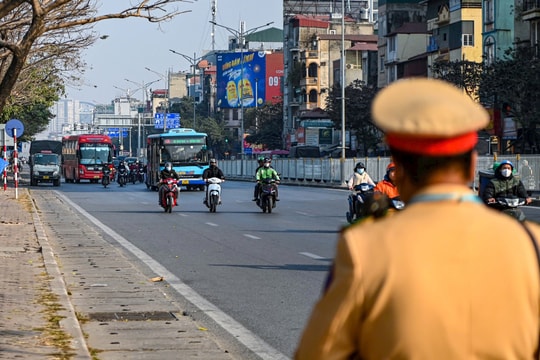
{"type": "Point", "coordinates": [106, 176]}
{"type": "Point", "coordinates": [214, 193]}
{"type": "Point", "coordinates": [169, 194]}
{"type": "Point", "coordinates": [510, 205]}
{"type": "Point", "coordinates": [122, 176]}
{"type": "Point", "coordinates": [359, 197]}
{"type": "Point", "coordinates": [267, 195]}
{"type": "Point", "coordinates": [133, 175]}
{"type": "Point", "coordinates": [140, 173]}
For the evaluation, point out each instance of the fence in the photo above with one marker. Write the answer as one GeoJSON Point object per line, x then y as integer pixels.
{"type": "Point", "coordinates": [327, 171]}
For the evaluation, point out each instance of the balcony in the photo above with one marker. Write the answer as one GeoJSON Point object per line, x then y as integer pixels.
{"type": "Point", "coordinates": [531, 10]}
{"type": "Point", "coordinates": [307, 55]}
{"type": "Point", "coordinates": [309, 81]}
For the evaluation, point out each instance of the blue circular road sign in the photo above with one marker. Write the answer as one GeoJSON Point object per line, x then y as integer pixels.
{"type": "Point", "coordinates": [14, 127]}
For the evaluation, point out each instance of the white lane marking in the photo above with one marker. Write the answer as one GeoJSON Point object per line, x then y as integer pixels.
{"type": "Point", "coordinates": [302, 213]}
{"type": "Point", "coordinates": [211, 224]}
{"type": "Point", "coordinates": [182, 214]}
{"type": "Point", "coordinates": [252, 237]}
{"type": "Point", "coordinates": [246, 337]}
{"type": "Point", "coordinates": [313, 256]}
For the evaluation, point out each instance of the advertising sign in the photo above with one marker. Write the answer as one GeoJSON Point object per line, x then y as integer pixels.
{"type": "Point", "coordinates": [274, 77]}
{"type": "Point", "coordinates": [235, 85]}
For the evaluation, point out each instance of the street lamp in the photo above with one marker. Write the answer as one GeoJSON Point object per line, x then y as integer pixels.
{"type": "Point", "coordinates": [142, 86]}
{"type": "Point", "coordinates": [193, 61]}
{"type": "Point", "coordinates": [240, 35]}
{"type": "Point", "coordinates": [167, 79]}
{"type": "Point", "coordinates": [342, 66]}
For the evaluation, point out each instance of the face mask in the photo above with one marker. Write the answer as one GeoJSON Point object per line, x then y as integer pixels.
{"type": "Point", "coordinates": [506, 172]}
{"type": "Point", "coordinates": [360, 171]}
{"type": "Point", "coordinates": [267, 165]}
{"type": "Point", "coordinates": [168, 168]}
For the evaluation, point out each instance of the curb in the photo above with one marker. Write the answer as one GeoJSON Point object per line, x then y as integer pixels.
{"type": "Point", "coordinates": [69, 322]}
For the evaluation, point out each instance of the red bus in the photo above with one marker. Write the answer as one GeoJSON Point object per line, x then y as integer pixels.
{"type": "Point", "coordinates": [83, 156]}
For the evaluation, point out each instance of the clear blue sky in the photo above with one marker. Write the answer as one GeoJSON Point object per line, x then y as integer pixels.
{"type": "Point", "coordinates": [133, 44]}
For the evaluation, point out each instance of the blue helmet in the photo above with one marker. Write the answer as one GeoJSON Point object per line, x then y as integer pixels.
{"type": "Point", "coordinates": [504, 162]}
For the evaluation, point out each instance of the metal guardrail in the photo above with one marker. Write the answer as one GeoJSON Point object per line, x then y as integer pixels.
{"type": "Point", "coordinates": [327, 171]}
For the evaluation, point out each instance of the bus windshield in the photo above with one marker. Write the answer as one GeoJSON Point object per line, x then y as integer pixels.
{"type": "Point", "coordinates": [184, 150]}
{"type": "Point", "coordinates": [94, 154]}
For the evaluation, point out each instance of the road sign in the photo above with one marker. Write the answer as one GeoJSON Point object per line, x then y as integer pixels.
{"type": "Point", "coordinates": [14, 127]}
{"type": "Point", "coordinates": [4, 137]}
{"type": "Point", "coordinates": [173, 120]}
{"type": "Point", "coordinates": [115, 132]}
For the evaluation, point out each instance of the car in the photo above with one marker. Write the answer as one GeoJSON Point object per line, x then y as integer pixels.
{"type": "Point", "coordinates": [130, 160]}
{"type": "Point", "coordinates": [115, 162]}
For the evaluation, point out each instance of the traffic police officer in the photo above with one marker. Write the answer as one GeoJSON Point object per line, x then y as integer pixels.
{"type": "Point", "coordinates": [447, 277]}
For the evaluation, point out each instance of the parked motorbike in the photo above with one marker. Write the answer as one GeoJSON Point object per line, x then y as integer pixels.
{"type": "Point", "coordinates": [122, 176]}
{"type": "Point", "coordinates": [267, 195]}
{"type": "Point", "coordinates": [106, 176]}
{"type": "Point", "coordinates": [214, 193]}
{"type": "Point", "coordinates": [169, 194]}
{"type": "Point", "coordinates": [510, 205]}
{"type": "Point", "coordinates": [358, 198]}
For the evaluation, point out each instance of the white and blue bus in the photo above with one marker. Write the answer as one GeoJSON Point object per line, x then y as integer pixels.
{"type": "Point", "coordinates": [185, 149]}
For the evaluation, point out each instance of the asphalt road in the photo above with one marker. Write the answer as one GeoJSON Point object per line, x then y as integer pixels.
{"type": "Point", "coordinates": [263, 270]}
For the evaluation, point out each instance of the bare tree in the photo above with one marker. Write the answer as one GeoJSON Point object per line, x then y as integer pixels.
{"type": "Point", "coordinates": [38, 32]}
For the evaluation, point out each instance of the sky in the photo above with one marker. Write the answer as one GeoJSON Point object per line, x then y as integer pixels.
{"type": "Point", "coordinates": [131, 45]}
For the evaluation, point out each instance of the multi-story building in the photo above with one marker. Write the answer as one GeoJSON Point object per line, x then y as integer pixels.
{"type": "Point", "coordinates": [401, 38]}
{"type": "Point", "coordinates": [313, 51]}
{"type": "Point", "coordinates": [455, 30]}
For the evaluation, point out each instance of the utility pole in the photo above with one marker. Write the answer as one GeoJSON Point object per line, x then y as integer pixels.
{"type": "Point", "coordinates": [193, 61]}
{"type": "Point", "coordinates": [168, 80]}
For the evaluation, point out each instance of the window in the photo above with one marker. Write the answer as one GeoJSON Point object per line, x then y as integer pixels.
{"type": "Point", "coordinates": [489, 11]}
{"type": "Point", "coordinates": [312, 70]}
{"type": "Point", "coordinates": [381, 64]}
{"type": "Point", "coordinates": [489, 50]}
{"type": "Point", "coordinates": [467, 40]}
{"type": "Point", "coordinates": [313, 96]}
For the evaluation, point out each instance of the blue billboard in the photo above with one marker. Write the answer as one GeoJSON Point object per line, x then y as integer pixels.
{"type": "Point", "coordinates": [230, 75]}
{"type": "Point", "coordinates": [173, 120]}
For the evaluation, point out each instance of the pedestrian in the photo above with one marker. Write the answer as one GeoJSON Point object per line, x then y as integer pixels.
{"type": "Point", "coordinates": [527, 177]}
{"type": "Point", "coordinates": [447, 277]}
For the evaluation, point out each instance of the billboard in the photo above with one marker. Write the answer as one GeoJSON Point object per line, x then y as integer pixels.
{"type": "Point", "coordinates": [230, 73]}
{"type": "Point", "coordinates": [274, 77]}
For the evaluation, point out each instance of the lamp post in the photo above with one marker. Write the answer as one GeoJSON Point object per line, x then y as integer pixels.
{"type": "Point", "coordinates": [142, 86]}
{"type": "Point", "coordinates": [342, 66]}
{"type": "Point", "coordinates": [240, 35]}
{"type": "Point", "coordinates": [193, 61]}
{"type": "Point", "coordinates": [167, 79]}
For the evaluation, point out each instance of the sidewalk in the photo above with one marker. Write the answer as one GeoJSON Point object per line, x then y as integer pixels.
{"type": "Point", "coordinates": [68, 293]}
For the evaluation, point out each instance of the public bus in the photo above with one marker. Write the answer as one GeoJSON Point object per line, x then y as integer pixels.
{"type": "Point", "coordinates": [187, 151]}
{"type": "Point", "coordinates": [84, 155]}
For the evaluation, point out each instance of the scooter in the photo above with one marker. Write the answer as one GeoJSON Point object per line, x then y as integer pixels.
{"type": "Point", "coordinates": [214, 193]}
{"type": "Point", "coordinates": [141, 175]}
{"type": "Point", "coordinates": [267, 196]}
{"type": "Point", "coordinates": [510, 205]}
{"type": "Point", "coordinates": [169, 194]}
{"type": "Point", "coordinates": [122, 177]}
{"type": "Point", "coordinates": [106, 176]}
{"type": "Point", "coordinates": [358, 198]}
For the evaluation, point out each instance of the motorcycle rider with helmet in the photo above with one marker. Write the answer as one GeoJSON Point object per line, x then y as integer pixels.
{"type": "Point", "coordinates": [167, 173]}
{"type": "Point", "coordinates": [268, 172]}
{"type": "Point", "coordinates": [359, 176]}
{"type": "Point", "coordinates": [212, 171]}
{"type": "Point", "coordinates": [257, 189]}
{"type": "Point", "coordinates": [387, 185]}
{"type": "Point", "coordinates": [123, 168]}
{"type": "Point", "coordinates": [504, 184]}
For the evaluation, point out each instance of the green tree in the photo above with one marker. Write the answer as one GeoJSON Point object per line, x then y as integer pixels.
{"type": "Point", "coordinates": [269, 118]}
{"type": "Point", "coordinates": [515, 80]}
{"type": "Point", "coordinates": [216, 134]}
{"type": "Point", "coordinates": [359, 97]}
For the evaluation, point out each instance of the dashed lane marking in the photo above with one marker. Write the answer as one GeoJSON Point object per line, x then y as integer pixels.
{"type": "Point", "coordinates": [252, 237]}
{"type": "Point", "coordinates": [312, 256]}
{"type": "Point", "coordinates": [211, 224]}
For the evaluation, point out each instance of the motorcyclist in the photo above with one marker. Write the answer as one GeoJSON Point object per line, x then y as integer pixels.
{"type": "Point", "coordinates": [504, 184]}
{"type": "Point", "coordinates": [212, 171]}
{"type": "Point", "coordinates": [122, 167]}
{"type": "Point", "coordinates": [359, 176]}
{"type": "Point", "coordinates": [387, 186]}
{"type": "Point", "coordinates": [257, 189]}
{"type": "Point", "coordinates": [167, 173]}
{"type": "Point", "coordinates": [268, 172]}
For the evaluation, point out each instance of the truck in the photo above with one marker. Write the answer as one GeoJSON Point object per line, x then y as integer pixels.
{"type": "Point", "coordinates": [45, 162]}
